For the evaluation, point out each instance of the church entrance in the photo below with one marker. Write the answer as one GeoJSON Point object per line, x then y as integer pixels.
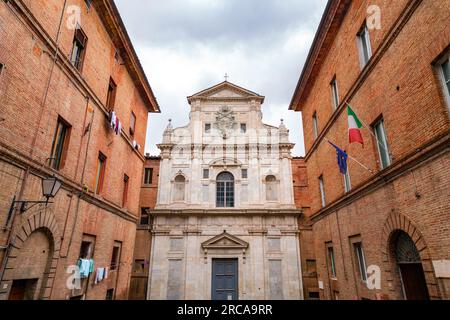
{"type": "Point", "coordinates": [224, 279]}
{"type": "Point", "coordinates": [410, 267]}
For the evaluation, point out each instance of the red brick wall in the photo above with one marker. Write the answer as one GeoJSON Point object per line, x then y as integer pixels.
{"type": "Point", "coordinates": [27, 57]}
{"type": "Point", "coordinates": [149, 193]}
{"type": "Point", "coordinates": [404, 88]}
{"type": "Point", "coordinates": [142, 249]}
{"type": "Point", "coordinates": [300, 183]}
{"type": "Point", "coordinates": [419, 97]}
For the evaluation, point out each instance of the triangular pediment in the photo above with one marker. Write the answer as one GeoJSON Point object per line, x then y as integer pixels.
{"type": "Point", "coordinates": [225, 241]}
{"type": "Point", "coordinates": [226, 90]}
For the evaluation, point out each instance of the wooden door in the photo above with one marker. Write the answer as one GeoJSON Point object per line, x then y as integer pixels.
{"type": "Point", "coordinates": [414, 282]}
{"type": "Point", "coordinates": [225, 279]}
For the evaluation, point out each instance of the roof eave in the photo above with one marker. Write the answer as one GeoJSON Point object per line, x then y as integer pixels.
{"type": "Point", "coordinates": [119, 34]}
{"type": "Point", "coordinates": [332, 17]}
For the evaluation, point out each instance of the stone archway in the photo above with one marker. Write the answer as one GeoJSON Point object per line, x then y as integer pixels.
{"type": "Point", "coordinates": [401, 238]}
{"type": "Point", "coordinates": [32, 261]}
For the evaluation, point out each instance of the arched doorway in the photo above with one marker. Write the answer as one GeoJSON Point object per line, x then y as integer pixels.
{"type": "Point", "coordinates": [410, 267]}
{"type": "Point", "coordinates": [31, 266]}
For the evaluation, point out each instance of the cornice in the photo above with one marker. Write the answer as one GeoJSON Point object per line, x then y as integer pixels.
{"type": "Point", "coordinates": [66, 67]}
{"type": "Point", "coordinates": [365, 73]}
{"type": "Point", "coordinates": [331, 20]}
{"type": "Point", "coordinates": [228, 212]}
{"type": "Point", "coordinates": [19, 160]}
{"type": "Point", "coordinates": [205, 95]}
{"type": "Point", "coordinates": [431, 150]}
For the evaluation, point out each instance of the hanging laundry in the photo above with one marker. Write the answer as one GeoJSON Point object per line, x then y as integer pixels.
{"type": "Point", "coordinates": [113, 119]}
{"type": "Point", "coordinates": [85, 266]}
{"type": "Point", "coordinates": [117, 126]}
{"type": "Point", "coordinates": [119, 129]}
{"type": "Point", "coordinates": [91, 265]}
{"type": "Point", "coordinates": [136, 145]}
{"type": "Point", "coordinates": [106, 272]}
{"type": "Point", "coordinates": [99, 275]}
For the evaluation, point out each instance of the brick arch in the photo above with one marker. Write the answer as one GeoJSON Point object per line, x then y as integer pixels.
{"type": "Point", "coordinates": [42, 219]}
{"type": "Point", "coordinates": [394, 223]}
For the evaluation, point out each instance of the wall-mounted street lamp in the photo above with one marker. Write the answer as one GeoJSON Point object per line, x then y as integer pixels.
{"type": "Point", "coordinates": [50, 187]}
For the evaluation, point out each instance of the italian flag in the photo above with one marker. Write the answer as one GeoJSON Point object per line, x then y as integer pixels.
{"type": "Point", "coordinates": [354, 127]}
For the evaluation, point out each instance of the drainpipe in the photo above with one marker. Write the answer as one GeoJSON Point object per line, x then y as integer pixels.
{"type": "Point", "coordinates": [78, 163]}
{"type": "Point", "coordinates": [82, 184]}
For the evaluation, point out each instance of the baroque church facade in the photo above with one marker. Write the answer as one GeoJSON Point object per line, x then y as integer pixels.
{"type": "Point", "coordinates": [225, 223]}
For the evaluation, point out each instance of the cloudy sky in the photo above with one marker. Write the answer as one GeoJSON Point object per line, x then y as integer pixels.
{"type": "Point", "coordinates": [186, 46]}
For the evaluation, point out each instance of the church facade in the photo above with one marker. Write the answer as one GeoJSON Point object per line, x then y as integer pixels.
{"type": "Point", "coordinates": [225, 223]}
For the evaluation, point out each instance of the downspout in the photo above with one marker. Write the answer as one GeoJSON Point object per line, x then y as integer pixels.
{"type": "Point", "coordinates": [89, 128]}
{"type": "Point", "coordinates": [82, 184]}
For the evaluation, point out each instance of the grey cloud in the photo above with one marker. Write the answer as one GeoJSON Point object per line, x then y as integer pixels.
{"type": "Point", "coordinates": [170, 22]}
{"type": "Point", "coordinates": [206, 38]}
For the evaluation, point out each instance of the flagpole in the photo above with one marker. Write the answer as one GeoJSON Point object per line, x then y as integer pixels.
{"type": "Point", "coordinates": [365, 167]}
{"type": "Point", "coordinates": [370, 131]}
{"type": "Point", "coordinates": [352, 158]}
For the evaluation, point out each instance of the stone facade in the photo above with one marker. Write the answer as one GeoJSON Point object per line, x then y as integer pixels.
{"type": "Point", "coordinates": [392, 210]}
{"type": "Point", "coordinates": [249, 217]}
{"type": "Point", "coordinates": [39, 88]}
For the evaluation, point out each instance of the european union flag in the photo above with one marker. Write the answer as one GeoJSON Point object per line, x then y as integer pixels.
{"type": "Point", "coordinates": [342, 157]}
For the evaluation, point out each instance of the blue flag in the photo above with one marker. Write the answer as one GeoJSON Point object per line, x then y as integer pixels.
{"type": "Point", "coordinates": [342, 157]}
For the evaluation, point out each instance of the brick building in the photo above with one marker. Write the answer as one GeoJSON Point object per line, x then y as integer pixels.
{"type": "Point", "coordinates": [65, 67]}
{"type": "Point", "coordinates": [308, 257]}
{"type": "Point", "coordinates": [142, 249]}
{"type": "Point", "coordinates": [395, 214]}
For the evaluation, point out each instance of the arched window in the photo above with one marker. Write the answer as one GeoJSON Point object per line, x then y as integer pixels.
{"type": "Point", "coordinates": [225, 190]}
{"type": "Point", "coordinates": [271, 188]}
{"type": "Point", "coordinates": [179, 189]}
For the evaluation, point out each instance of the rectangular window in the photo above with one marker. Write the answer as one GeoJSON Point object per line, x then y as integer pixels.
{"type": "Point", "coordinates": [115, 257]}
{"type": "Point", "coordinates": [243, 128]}
{"type": "Point", "coordinates": [145, 218]}
{"type": "Point", "coordinates": [347, 182]}
{"type": "Point", "coordinates": [365, 48]}
{"type": "Point", "coordinates": [111, 97]}
{"type": "Point", "coordinates": [445, 72]}
{"type": "Point", "coordinates": [132, 124]}
{"type": "Point", "coordinates": [126, 183]}
{"type": "Point", "coordinates": [335, 93]}
{"type": "Point", "coordinates": [382, 145]}
{"type": "Point", "coordinates": [100, 175]}
{"type": "Point", "coordinates": [331, 261]}
{"type": "Point", "coordinates": [60, 144]}
{"type": "Point", "coordinates": [117, 55]}
{"type": "Point", "coordinates": [139, 266]}
{"type": "Point", "coordinates": [109, 294]}
{"type": "Point", "coordinates": [148, 176]}
{"type": "Point", "coordinates": [205, 173]}
{"type": "Point", "coordinates": [78, 49]}
{"type": "Point", "coordinates": [207, 127]}
{"type": "Point", "coordinates": [88, 3]}
{"type": "Point", "coordinates": [1, 68]}
{"type": "Point", "coordinates": [359, 253]}
{"type": "Point", "coordinates": [315, 125]}
{"type": "Point", "coordinates": [87, 247]}
{"type": "Point", "coordinates": [322, 191]}
{"type": "Point", "coordinates": [313, 295]}
{"type": "Point", "coordinates": [244, 174]}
